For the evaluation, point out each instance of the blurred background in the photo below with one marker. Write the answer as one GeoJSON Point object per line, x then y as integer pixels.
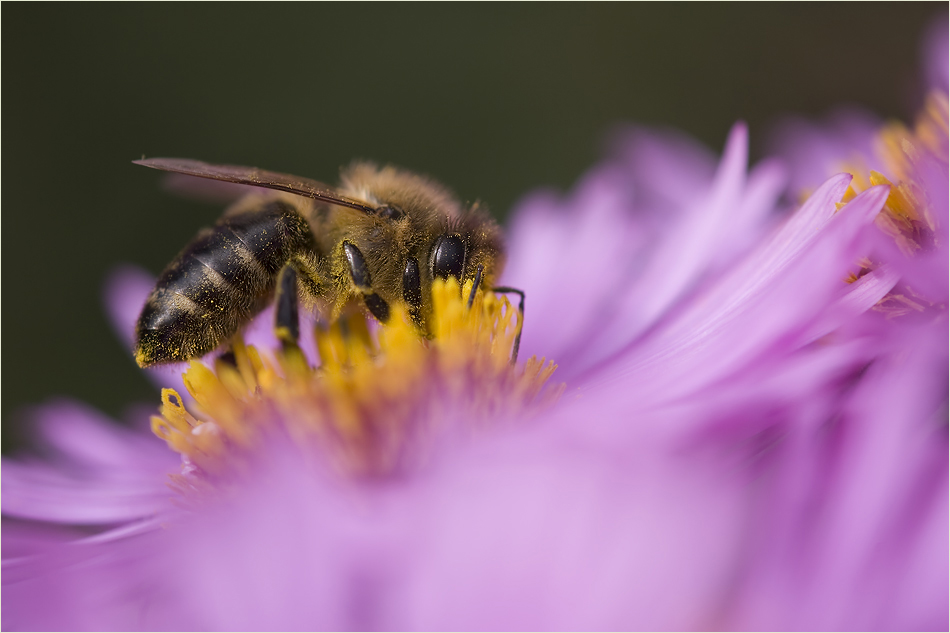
{"type": "Point", "coordinates": [493, 100]}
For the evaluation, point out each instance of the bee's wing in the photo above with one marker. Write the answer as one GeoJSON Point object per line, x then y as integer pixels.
{"type": "Point", "coordinates": [204, 190]}
{"type": "Point", "coordinates": [256, 178]}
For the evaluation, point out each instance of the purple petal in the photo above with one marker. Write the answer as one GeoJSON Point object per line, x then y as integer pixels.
{"type": "Point", "coordinates": [754, 308]}
{"type": "Point", "coordinates": [712, 230]}
{"type": "Point", "coordinates": [935, 53]}
{"type": "Point", "coordinates": [562, 303]}
{"type": "Point", "coordinates": [856, 299]}
{"type": "Point", "coordinates": [95, 471]}
{"type": "Point", "coordinates": [559, 538]}
{"type": "Point", "coordinates": [665, 169]}
{"type": "Point", "coordinates": [813, 151]}
{"type": "Point", "coordinates": [124, 293]}
{"type": "Point", "coordinates": [637, 262]}
{"type": "Point", "coordinates": [871, 500]}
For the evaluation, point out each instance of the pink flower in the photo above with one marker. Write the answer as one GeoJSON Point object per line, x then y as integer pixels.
{"type": "Point", "coordinates": [753, 435]}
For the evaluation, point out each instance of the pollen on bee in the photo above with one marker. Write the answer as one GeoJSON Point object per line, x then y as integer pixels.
{"type": "Point", "coordinates": [369, 396]}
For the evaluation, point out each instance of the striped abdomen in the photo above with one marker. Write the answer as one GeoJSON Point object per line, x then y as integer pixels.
{"type": "Point", "coordinates": [221, 280]}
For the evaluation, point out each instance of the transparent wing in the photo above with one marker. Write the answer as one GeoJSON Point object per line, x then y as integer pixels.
{"type": "Point", "coordinates": [256, 178]}
{"type": "Point", "coordinates": [204, 190]}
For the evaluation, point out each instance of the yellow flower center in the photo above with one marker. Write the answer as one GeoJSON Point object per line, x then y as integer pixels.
{"type": "Point", "coordinates": [906, 215]}
{"type": "Point", "coordinates": [368, 396]}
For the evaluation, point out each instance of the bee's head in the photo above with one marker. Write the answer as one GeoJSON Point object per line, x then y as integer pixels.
{"type": "Point", "coordinates": [470, 246]}
{"type": "Point", "coordinates": [465, 252]}
{"type": "Point", "coordinates": [425, 234]}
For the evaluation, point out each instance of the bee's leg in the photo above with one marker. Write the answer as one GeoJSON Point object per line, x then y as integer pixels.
{"type": "Point", "coordinates": [228, 357]}
{"type": "Point", "coordinates": [287, 320]}
{"type": "Point", "coordinates": [475, 284]}
{"type": "Point", "coordinates": [412, 290]}
{"type": "Point", "coordinates": [359, 273]}
{"type": "Point", "coordinates": [520, 293]}
{"type": "Point", "coordinates": [226, 360]}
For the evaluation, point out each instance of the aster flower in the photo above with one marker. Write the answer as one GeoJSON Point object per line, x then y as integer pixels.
{"type": "Point", "coordinates": [748, 435]}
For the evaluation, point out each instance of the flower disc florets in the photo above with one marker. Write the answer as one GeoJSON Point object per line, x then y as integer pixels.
{"type": "Point", "coordinates": [909, 217]}
{"type": "Point", "coordinates": [371, 400]}
{"type": "Point", "coordinates": [906, 216]}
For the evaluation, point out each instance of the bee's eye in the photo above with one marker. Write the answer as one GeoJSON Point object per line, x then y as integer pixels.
{"type": "Point", "coordinates": [448, 256]}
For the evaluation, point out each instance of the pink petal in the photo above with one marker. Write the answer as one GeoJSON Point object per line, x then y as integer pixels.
{"type": "Point", "coordinates": [95, 472]}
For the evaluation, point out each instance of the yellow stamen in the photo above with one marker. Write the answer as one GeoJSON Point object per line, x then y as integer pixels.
{"type": "Point", "coordinates": [906, 215]}
{"type": "Point", "coordinates": [358, 405]}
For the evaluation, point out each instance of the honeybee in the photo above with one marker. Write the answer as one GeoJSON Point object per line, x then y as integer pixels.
{"type": "Point", "coordinates": [378, 240]}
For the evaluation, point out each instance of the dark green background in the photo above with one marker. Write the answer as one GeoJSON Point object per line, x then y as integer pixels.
{"type": "Point", "coordinates": [494, 100]}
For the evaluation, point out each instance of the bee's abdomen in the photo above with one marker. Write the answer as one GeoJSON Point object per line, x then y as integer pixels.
{"type": "Point", "coordinates": [221, 280]}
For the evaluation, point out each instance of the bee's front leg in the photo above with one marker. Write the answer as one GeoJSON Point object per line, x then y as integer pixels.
{"type": "Point", "coordinates": [520, 293]}
{"type": "Point", "coordinates": [359, 273]}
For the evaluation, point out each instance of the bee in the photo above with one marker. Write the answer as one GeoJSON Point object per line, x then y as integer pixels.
{"type": "Point", "coordinates": [380, 239]}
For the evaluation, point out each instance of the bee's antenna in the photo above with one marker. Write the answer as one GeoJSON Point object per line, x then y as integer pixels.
{"type": "Point", "coordinates": [520, 293]}
{"type": "Point", "coordinates": [478, 280]}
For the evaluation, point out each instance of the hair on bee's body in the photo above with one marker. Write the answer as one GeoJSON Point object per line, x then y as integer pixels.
{"type": "Point", "coordinates": [220, 280]}
{"type": "Point", "coordinates": [378, 240]}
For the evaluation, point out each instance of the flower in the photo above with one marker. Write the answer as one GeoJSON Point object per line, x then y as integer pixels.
{"type": "Point", "coordinates": [752, 434]}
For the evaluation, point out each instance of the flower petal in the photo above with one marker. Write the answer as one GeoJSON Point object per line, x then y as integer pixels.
{"type": "Point", "coordinates": [557, 537]}
{"type": "Point", "coordinates": [95, 473]}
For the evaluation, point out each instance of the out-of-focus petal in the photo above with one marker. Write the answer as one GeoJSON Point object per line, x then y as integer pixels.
{"type": "Point", "coordinates": [934, 53]}
{"type": "Point", "coordinates": [845, 548]}
{"type": "Point", "coordinates": [843, 140]}
{"type": "Point", "coordinates": [570, 538]}
{"type": "Point", "coordinates": [124, 295]}
{"type": "Point", "coordinates": [93, 584]}
{"type": "Point", "coordinates": [666, 170]}
{"type": "Point", "coordinates": [756, 305]}
{"type": "Point", "coordinates": [857, 299]}
{"type": "Point", "coordinates": [926, 270]}
{"type": "Point", "coordinates": [322, 552]}
{"type": "Point", "coordinates": [93, 472]}
{"type": "Point", "coordinates": [596, 247]}
{"type": "Point", "coordinates": [711, 231]}
{"type": "Point", "coordinates": [624, 262]}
